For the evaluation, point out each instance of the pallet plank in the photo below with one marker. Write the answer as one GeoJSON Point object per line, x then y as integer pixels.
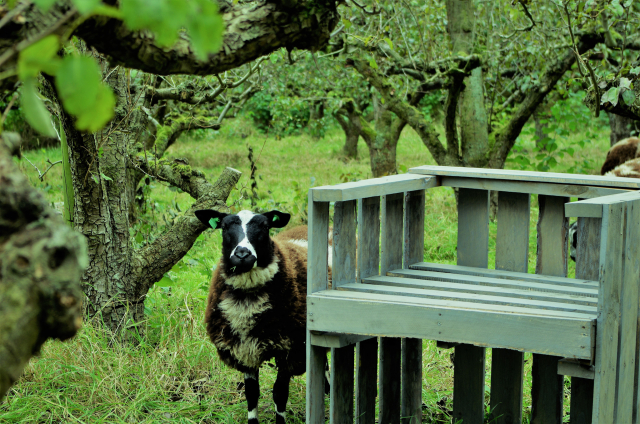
{"type": "Point", "coordinates": [368, 237]}
{"type": "Point", "coordinates": [372, 187]}
{"type": "Point", "coordinates": [329, 339]}
{"type": "Point", "coordinates": [343, 268]}
{"type": "Point", "coordinates": [341, 404]}
{"type": "Point", "coordinates": [512, 250]}
{"type": "Point", "coordinates": [473, 251]}
{"type": "Point", "coordinates": [547, 390]}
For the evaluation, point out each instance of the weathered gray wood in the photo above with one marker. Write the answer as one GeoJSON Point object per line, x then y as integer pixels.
{"type": "Point", "coordinates": [587, 262]}
{"type": "Point", "coordinates": [368, 236]}
{"type": "Point", "coordinates": [341, 404]}
{"type": "Point", "coordinates": [473, 251]}
{"type": "Point", "coordinates": [593, 208]}
{"type": "Point", "coordinates": [486, 292]}
{"type": "Point", "coordinates": [367, 381]}
{"type": "Point", "coordinates": [580, 290]}
{"type": "Point", "coordinates": [327, 339]}
{"type": "Point", "coordinates": [390, 379]}
{"type": "Point", "coordinates": [507, 275]}
{"type": "Point", "coordinates": [581, 401]}
{"type": "Point", "coordinates": [411, 399]}
{"type": "Point", "coordinates": [547, 390]}
{"type": "Point", "coordinates": [629, 315]}
{"type": "Point", "coordinates": [475, 300]}
{"type": "Point", "coordinates": [543, 177]}
{"type": "Point", "coordinates": [575, 369]}
{"type": "Point", "coordinates": [411, 389]}
{"type": "Point", "coordinates": [611, 266]}
{"type": "Point", "coordinates": [343, 268]}
{"type": "Point", "coordinates": [549, 189]}
{"type": "Point", "coordinates": [317, 280]}
{"type": "Point", "coordinates": [392, 232]}
{"type": "Point", "coordinates": [372, 187]}
{"type": "Point", "coordinates": [512, 249]}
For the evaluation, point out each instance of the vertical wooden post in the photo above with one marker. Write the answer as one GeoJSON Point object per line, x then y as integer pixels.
{"type": "Point", "coordinates": [391, 258]}
{"type": "Point", "coordinates": [587, 264]}
{"type": "Point", "coordinates": [317, 280]}
{"type": "Point", "coordinates": [411, 396]}
{"type": "Point", "coordinates": [512, 248]}
{"type": "Point", "coordinates": [547, 390]}
{"type": "Point", "coordinates": [473, 250]}
{"type": "Point", "coordinates": [343, 272]}
{"type": "Point", "coordinates": [608, 323]}
{"type": "Point", "coordinates": [367, 351]}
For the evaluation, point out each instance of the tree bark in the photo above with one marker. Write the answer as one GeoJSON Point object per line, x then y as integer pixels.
{"type": "Point", "coordinates": [348, 117]}
{"type": "Point", "coordinates": [41, 261]}
{"type": "Point", "coordinates": [382, 140]}
{"type": "Point", "coordinates": [621, 128]}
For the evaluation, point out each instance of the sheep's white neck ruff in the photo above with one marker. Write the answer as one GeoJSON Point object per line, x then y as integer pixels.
{"type": "Point", "coordinates": [257, 277]}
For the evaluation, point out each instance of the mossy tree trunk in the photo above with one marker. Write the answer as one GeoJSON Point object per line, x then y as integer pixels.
{"type": "Point", "coordinates": [382, 139]}
{"type": "Point", "coordinates": [41, 262]}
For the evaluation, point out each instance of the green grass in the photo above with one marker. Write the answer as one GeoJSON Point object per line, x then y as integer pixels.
{"type": "Point", "coordinates": [174, 375]}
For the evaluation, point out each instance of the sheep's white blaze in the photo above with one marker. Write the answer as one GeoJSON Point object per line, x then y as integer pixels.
{"type": "Point", "coordinates": [245, 217]}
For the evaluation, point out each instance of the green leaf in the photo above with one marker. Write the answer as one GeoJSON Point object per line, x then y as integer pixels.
{"type": "Point", "coordinates": [205, 28]}
{"type": "Point", "coordinates": [40, 56]}
{"type": "Point", "coordinates": [105, 177]}
{"type": "Point", "coordinates": [95, 178]}
{"type": "Point", "coordinates": [373, 64]}
{"type": "Point", "coordinates": [34, 110]}
{"type": "Point", "coordinates": [611, 96]}
{"type": "Point", "coordinates": [139, 238]}
{"type": "Point", "coordinates": [389, 43]}
{"type": "Point", "coordinates": [628, 97]}
{"type": "Point", "coordinates": [100, 114]}
{"type": "Point", "coordinates": [165, 281]}
{"type": "Point", "coordinates": [78, 82]}
{"type": "Point", "coordinates": [45, 5]}
{"type": "Point", "coordinates": [86, 6]}
{"type": "Point", "coordinates": [635, 71]}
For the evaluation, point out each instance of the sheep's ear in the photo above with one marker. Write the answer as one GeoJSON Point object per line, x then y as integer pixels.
{"type": "Point", "coordinates": [277, 219]}
{"type": "Point", "coordinates": [210, 218]}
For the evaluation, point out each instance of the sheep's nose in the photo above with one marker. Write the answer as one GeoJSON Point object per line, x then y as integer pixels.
{"type": "Point", "coordinates": [242, 252]}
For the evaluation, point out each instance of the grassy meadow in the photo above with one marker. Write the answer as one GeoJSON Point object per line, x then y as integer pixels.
{"type": "Point", "coordinates": [174, 375]}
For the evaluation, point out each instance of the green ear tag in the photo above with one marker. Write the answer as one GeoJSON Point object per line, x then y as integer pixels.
{"type": "Point", "coordinates": [275, 218]}
{"type": "Point", "coordinates": [214, 222]}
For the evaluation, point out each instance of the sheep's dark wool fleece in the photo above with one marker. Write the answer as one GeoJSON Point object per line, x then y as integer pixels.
{"type": "Point", "coordinates": [261, 314]}
{"type": "Point", "coordinates": [621, 152]}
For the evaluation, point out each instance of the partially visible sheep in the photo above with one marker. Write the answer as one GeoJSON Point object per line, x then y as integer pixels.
{"type": "Point", "coordinates": [621, 152]}
{"type": "Point", "coordinates": [257, 302]}
{"type": "Point", "coordinates": [629, 169]}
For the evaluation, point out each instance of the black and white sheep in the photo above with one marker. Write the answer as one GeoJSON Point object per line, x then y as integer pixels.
{"type": "Point", "coordinates": [628, 169]}
{"type": "Point", "coordinates": [621, 152]}
{"type": "Point", "coordinates": [256, 309]}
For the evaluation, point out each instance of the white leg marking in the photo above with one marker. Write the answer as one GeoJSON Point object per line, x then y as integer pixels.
{"type": "Point", "coordinates": [283, 413]}
{"type": "Point", "coordinates": [253, 414]}
{"type": "Point", "coordinates": [245, 217]}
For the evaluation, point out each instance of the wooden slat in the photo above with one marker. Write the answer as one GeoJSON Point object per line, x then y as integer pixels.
{"type": "Point", "coordinates": [547, 390]}
{"type": "Point", "coordinates": [549, 189]}
{"type": "Point", "coordinates": [328, 339]}
{"type": "Point", "coordinates": [581, 290]}
{"type": "Point", "coordinates": [391, 257]}
{"type": "Point", "coordinates": [411, 389]}
{"type": "Point", "coordinates": [481, 295]}
{"type": "Point", "coordinates": [386, 315]}
{"type": "Point", "coordinates": [593, 208]}
{"type": "Point", "coordinates": [512, 249]}
{"type": "Point", "coordinates": [587, 262]}
{"type": "Point", "coordinates": [629, 316]}
{"type": "Point", "coordinates": [507, 275]}
{"type": "Point", "coordinates": [341, 404]}
{"type": "Point", "coordinates": [473, 251]}
{"type": "Point", "coordinates": [611, 264]}
{"type": "Point", "coordinates": [453, 284]}
{"type": "Point", "coordinates": [367, 351]}
{"type": "Point", "coordinates": [543, 177]}
{"type": "Point", "coordinates": [575, 369]}
{"type": "Point", "coordinates": [317, 279]}
{"type": "Point", "coordinates": [372, 187]}
{"type": "Point", "coordinates": [343, 268]}
{"type": "Point", "coordinates": [439, 298]}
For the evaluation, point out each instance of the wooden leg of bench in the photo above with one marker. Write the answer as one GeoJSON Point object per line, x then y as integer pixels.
{"type": "Point", "coordinates": [411, 403]}
{"type": "Point", "coordinates": [468, 384]}
{"type": "Point", "coordinates": [316, 359]}
{"type": "Point", "coordinates": [389, 380]}
{"type": "Point", "coordinates": [341, 407]}
{"type": "Point", "coordinates": [547, 390]}
{"type": "Point", "coordinates": [507, 369]}
{"type": "Point", "coordinates": [581, 400]}
{"type": "Point", "coordinates": [367, 381]}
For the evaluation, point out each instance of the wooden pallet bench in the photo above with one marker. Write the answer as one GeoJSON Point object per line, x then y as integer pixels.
{"type": "Point", "coordinates": [384, 300]}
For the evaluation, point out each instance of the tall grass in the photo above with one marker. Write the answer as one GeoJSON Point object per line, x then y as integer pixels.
{"type": "Point", "coordinates": [174, 375]}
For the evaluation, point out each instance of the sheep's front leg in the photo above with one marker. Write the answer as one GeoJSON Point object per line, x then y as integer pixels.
{"type": "Point", "coordinates": [281, 395]}
{"type": "Point", "coordinates": [252, 392]}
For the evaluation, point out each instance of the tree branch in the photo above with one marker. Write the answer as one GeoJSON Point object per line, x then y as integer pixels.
{"type": "Point", "coordinates": [451, 106]}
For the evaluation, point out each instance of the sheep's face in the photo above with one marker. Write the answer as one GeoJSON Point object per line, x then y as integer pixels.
{"type": "Point", "coordinates": [245, 237]}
